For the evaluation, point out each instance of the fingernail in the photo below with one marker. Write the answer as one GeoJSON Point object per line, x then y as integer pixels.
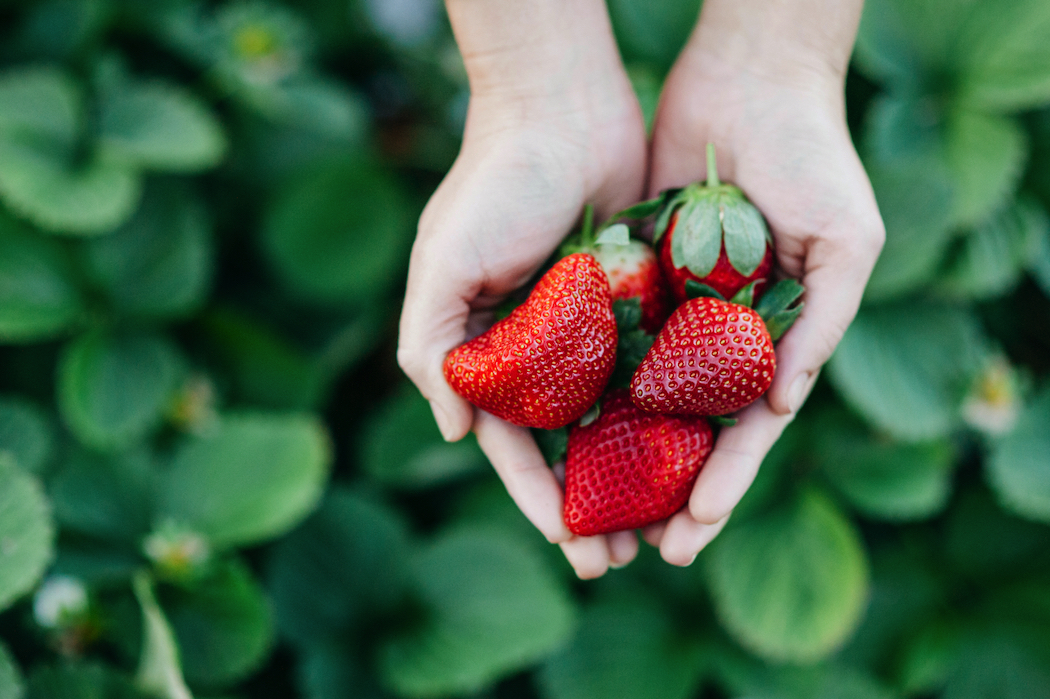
{"type": "Point", "coordinates": [617, 566]}
{"type": "Point", "coordinates": [693, 559]}
{"type": "Point", "coordinates": [441, 418]}
{"type": "Point", "coordinates": [797, 392]}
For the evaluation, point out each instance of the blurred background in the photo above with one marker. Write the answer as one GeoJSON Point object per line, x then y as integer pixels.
{"type": "Point", "coordinates": [215, 481]}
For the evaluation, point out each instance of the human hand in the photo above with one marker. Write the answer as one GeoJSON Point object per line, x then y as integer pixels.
{"type": "Point", "coordinates": [772, 102]}
{"type": "Point", "coordinates": [553, 124]}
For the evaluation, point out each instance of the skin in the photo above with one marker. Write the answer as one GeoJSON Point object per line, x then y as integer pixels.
{"type": "Point", "coordinates": [553, 124]}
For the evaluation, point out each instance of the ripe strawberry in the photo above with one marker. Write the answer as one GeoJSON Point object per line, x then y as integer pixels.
{"type": "Point", "coordinates": [712, 357]}
{"type": "Point", "coordinates": [631, 265]}
{"type": "Point", "coordinates": [724, 278]}
{"type": "Point", "coordinates": [633, 271]}
{"type": "Point", "coordinates": [712, 234]}
{"type": "Point", "coordinates": [629, 468]}
{"type": "Point", "coordinates": [547, 362]}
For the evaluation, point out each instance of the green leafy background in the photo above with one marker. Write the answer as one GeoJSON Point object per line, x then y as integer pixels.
{"type": "Point", "coordinates": [215, 481]}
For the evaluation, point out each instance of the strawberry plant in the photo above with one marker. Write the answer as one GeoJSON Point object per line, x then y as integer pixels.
{"type": "Point", "coordinates": [214, 481]}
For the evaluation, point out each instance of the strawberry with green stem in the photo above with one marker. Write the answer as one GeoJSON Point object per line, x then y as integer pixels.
{"type": "Point", "coordinates": [710, 233]}
{"type": "Point", "coordinates": [714, 357]}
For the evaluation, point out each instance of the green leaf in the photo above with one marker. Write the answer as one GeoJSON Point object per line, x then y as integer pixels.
{"type": "Point", "coordinates": [323, 106]}
{"type": "Point", "coordinates": [992, 257]}
{"type": "Point", "coordinates": [625, 648]}
{"type": "Point", "coordinates": [916, 201]}
{"type": "Point", "coordinates": [26, 434]}
{"type": "Point", "coordinates": [905, 367]}
{"type": "Point", "coordinates": [887, 48]}
{"type": "Point", "coordinates": [491, 608]}
{"type": "Point", "coordinates": [158, 264]}
{"type": "Point", "coordinates": [746, 235]}
{"type": "Point", "coordinates": [38, 295]}
{"type": "Point", "coordinates": [790, 585]}
{"type": "Point", "coordinates": [156, 125]}
{"type": "Point", "coordinates": [553, 444]}
{"type": "Point", "coordinates": [27, 534]}
{"type": "Point", "coordinates": [1018, 467]}
{"type": "Point", "coordinates": [11, 683]}
{"type": "Point", "coordinates": [616, 234]}
{"type": "Point", "coordinates": [253, 478]}
{"type": "Point", "coordinates": [80, 680]}
{"type": "Point", "coordinates": [982, 541]}
{"type": "Point", "coordinates": [401, 445]}
{"type": "Point", "coordinates": [160, 670]}
{"type": "Point", "coordinates": [333, 671]}
{"type": "Point", "coordinates": [881, 478]}
{"type": "Point", "coordinates": [697, 239]}
{"type": "Point", "coordinates": [346, 565]}
{"type": "Point", "coordinates": [109, 497]}
{"type": "Point", "coordinates": [1005, 65]}
{"type": "Point", "coordinates": [266, 368]}
{"type": "Point", "coordinates": [696, 290]}
{"type": "Point", "coordinates": [41, 101]}
{"type": "Point", "coordinates": [114, 388]}
{"type": "Point", "coordinates": [223, 625]}
{"type": "Point", "coordinates": [63, 196]}
{"type": "Point", "coordinates": [986, 157]}
{"type": "Point", "coordinates": [339, 235]}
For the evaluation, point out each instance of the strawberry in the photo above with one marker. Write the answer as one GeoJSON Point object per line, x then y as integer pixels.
{"type": "Point", "coordinates": [631, 266]}
{"type": "Point", "coordinates": [547, 362]}
{"type": "Point", "coordinates": [710, 233]}
{"type": "Point", "coordinates": [712, 357]}
{"type": "Point", "coordinates": [724, 278]}
{"type": "Point", "coordinates": [629, 468]}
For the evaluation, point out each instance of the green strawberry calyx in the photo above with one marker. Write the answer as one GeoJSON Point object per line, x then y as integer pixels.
{"type": "Point", "coordinates": [779, 307]}
{"type": "Point", "coordinates": [712, 214]}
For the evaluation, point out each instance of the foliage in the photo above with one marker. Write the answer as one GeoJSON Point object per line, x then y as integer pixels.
{"type": "Point", "coordinates": [214, 481]}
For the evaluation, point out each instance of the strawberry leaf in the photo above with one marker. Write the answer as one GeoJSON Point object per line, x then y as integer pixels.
{"type": "Point", "coordinates": [746, 235]}
{"type": "Point", "coordinates": [673, 200]}
{"type": "Point", "coordinates": [592, 414]}
{"type": "Point", "coordinates": [552, 443]}
{"type": "Point", "coordinates": [722, 420]}
{"type": "Point", "coordinates": [616, 234]}
{"type": "Point", "coordinates": [644, 209]}
{"type": "Point", "coordinates": [746, 296]}
{"type": "Point", "coordinates": [779, 298]}
{"type": "Point", "coordinates": [779, 323]}
{"type": "Point", "coordinates": [696, 290]}
{"type": "Point", "coordinates": [628, 313]}
{"type": "Point", "coordinates": [697, 240]}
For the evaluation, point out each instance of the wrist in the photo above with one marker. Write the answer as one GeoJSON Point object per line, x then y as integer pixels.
{"type": "Point", "coordinates": [535, 53]}
{"type": "Point", "coordinates": [798, 45]}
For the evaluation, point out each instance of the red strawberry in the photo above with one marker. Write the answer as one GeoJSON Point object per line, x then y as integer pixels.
{"type": "Point", "coordinates": [724, 278]}
{"type": "Point", "coordinates": [633, 270]}
{"type": "Point", "coordinates": [712, 234]}
{"type": "Point", "coordinates": [712, 357]}
{"type": "Point", "coordinates": [629, 468]}
{"type": "Point", "coordinates": [547, 362]}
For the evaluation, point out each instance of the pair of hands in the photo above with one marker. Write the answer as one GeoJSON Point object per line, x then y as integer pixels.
{"type": "Point", "coordinates": [565, 129]}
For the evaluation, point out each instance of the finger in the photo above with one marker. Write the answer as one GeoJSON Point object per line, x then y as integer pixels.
{"type": "Point", "coordinates": [588, 556]}
{"type": "Point", "coordinates": [733, 464]}
{"type": "Point", "coordinates": [623, 547]}
{"type": "Point", "coordinates": [836, 273]}
{"type": "Point", "coordinates": [521, 467]}
{"type": "Point", "coordinates": [653, 533]}
{"type": "Point", "coordinates": [433, 322]}
{"type": "Point", "coordinates": [684, 538]}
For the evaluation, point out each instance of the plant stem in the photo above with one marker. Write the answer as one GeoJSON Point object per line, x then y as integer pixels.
{"type": "Point", "coordinates": [712, 167]}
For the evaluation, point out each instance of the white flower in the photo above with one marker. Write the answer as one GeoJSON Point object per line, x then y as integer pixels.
{"type": "Point", "coordinates": [60, 599]}
{"type": "Point", "coordinates": [993, 403]}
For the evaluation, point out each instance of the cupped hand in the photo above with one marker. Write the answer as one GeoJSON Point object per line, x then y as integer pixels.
{"type": "Point", "coordinates": [781, 136]}
{"type": "Point", "coordinates": [527, 167]}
